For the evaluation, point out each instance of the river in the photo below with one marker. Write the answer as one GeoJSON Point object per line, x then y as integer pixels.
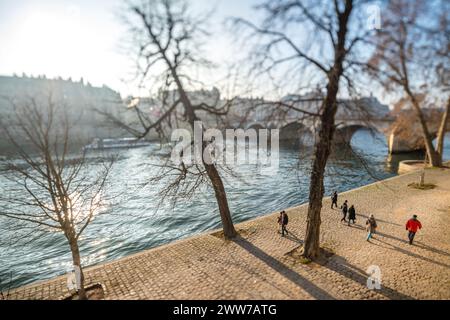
{"type": "Point", "coordinates": [135, 224]}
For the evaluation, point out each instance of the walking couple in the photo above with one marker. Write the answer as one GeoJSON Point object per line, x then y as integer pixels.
{"type": "Point", "coordinates": [351, 212]}
{"type": "Point", "coordinates": [283, 220]}
{"type": "Point", "coordinates": [345, 209]}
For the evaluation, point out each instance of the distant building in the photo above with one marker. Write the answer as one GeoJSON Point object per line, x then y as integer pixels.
{"type": "Point", "coordinates": [82, 100]}
{"type": "Point", "coordinates": [79, 99]}
{"type": "Point", "coordinates": [246, 111]}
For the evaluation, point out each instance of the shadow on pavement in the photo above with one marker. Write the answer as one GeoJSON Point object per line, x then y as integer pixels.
{"type": "Point", "coordinates": [378, 220]}
{"type": "Point", "coordinates": [294, 238]}
{"type": "Point", "coordinates": [342, 267]}
{"type": "Point", "coordinates": [411, 254]}
{"type": "Point", "coordinates": [300, 281]}
{"type": "Point", "coordinates": [356, 226]}
{"type": "Point", "coordinates": [432, 249]}
{"type": "Point", "coordinates": [416, 244]}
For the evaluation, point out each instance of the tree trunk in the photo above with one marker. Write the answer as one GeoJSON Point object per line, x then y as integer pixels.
{"type": "Point", "coordinates": [221, 197]}
{"type": "Point", "coordinates": [77, 263]}
{"type": "Point", "coordinates": [311, 248]}
{"type": "Point", "coordinates": [316, 189]}
{"type": "Point", "coordinates": [211, 170]}
{"type": "Point", "coordinates": [433, 156]}
{"type": "Point", "coordinates": [442, 130]}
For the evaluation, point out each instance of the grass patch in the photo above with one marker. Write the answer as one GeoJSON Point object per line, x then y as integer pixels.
{"type": "Point", "coordinates": [304, 260]}
{"type": "Point", "coordinates": [93, 292]}
{"type": "Point", "coordinates": [425, 186]}
{"type": "Point", "coordinates": [295, 256]}
{"type": "Point", "coordinates": [219, 234]}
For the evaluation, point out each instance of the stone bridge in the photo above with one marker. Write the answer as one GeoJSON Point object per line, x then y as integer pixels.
{"type": "Point", "coordinates": [294, 131]}
{"type": "Point", "coordinates": [297, 126]}
{"type": "Point", "coordinates": [402, 134]}
{"type": "Point", "coordinates": [304, 131]}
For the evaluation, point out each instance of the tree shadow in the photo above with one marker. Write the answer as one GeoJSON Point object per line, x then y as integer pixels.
{"type": "Point", "coordinates": [247, 267]}
{"type": "Point", "coordinates": [339, 265]}
{"type": "Point", "coordinates": [284, 270]}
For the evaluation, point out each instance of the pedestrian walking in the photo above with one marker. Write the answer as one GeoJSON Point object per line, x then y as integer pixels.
{"type": "Point", "coordinates": [371, 226]}
{"type": "Point", "coordinates": [351, 214]}
{"type": "Point", "coordinates": [280, 222]}
{"type": "Point", "coordinates": [283, 220]}
{"type": "Point", "coordinates": [334, 199]}
{"type": "Point", "coordinates": [344, 208]}
{"type": "Point", "coordinates": [413, 225]}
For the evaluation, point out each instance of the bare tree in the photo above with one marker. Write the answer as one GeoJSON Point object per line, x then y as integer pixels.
{"type": "Point", "coordinates": [315, 40]}
{"type": "Point", "coordinates": [49, 189]}
{"type": "Point", "coordinates": [167, 40]}
{"type": "Point", "coordinates": [411, 54]}
{"type": "Point", "coordinates": [441, 68]}
{"type": "Point", "coordinates": [407, 127]}
{"type": "Point", "coordinates": [443, 127]}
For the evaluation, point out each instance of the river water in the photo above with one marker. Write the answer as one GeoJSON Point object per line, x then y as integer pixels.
{"type": "Point", "coordinates": [140, 222]}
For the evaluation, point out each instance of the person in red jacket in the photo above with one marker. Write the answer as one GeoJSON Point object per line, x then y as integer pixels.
{"type": "Point", "coordinates": [412, 226]}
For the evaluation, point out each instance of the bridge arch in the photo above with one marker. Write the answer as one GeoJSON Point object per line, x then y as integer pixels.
{"type": "Point", "coordinates": [295, 134]}
{"type": "Point", "coordinates": [344, 133]}
{"type": "Point", "coordinates": [256, 126]}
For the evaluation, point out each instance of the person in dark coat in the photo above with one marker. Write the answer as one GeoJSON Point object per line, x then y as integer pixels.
{"type": "Point", "coordinates": [283, 221]}
{"type": "Point", "coordinates": [344, 208]}
{"type": "Point", "coordinates": [280, 222]}
{"type": "Point", "coordinates": [334, 199]}
{"type": "Point", "coordinates": [351, 214]}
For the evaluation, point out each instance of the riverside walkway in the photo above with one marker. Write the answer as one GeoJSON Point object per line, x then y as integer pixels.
{"type": "Point", "coordinates": [260, 264]}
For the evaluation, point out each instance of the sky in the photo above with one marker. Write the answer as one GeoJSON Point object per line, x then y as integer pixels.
{"type": "Point", "coordinates": [83, 39]}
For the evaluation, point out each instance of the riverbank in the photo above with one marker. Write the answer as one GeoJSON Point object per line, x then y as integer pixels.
{"type": "Point", "coordinates": [258, 265]}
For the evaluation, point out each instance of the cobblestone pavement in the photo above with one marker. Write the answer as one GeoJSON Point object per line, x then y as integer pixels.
{"type": "Point", "coordinates": [258, 265]}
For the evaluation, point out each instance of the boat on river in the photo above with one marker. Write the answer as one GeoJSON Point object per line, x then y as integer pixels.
{"type": "Point", "coordinates": [119, 143]}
